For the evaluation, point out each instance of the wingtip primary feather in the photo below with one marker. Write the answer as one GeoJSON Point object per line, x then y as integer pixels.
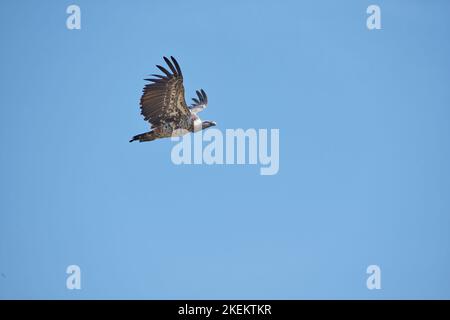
{"type": "Point", "coordinates": [164, 70]}
{"type": "Point", "coordinates": [172, 68]}
{"type": "Point", "coordinates": [177, 66]}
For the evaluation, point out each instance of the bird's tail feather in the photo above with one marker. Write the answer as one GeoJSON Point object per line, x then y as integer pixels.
{"type": "Point", "coordinates": [147, 136]}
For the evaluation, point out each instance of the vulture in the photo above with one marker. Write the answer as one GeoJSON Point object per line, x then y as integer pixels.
{"type": "Point", "coordinates": [164, 107]}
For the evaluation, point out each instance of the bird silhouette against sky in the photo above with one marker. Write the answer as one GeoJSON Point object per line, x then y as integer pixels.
{"type": "Point", "coordinates": [163, 105]}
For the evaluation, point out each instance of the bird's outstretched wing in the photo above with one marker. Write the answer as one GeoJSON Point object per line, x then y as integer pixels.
{"type": "Point", "coordinates": [163, 100]}
{"type": "Point", "coordinates": [200, 103]}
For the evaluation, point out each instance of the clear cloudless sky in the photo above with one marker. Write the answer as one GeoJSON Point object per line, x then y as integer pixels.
{"type": "Point", "coordinates": [364, 151]}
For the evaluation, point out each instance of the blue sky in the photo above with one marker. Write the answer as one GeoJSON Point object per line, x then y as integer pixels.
{"type": "Point", "coordinates": [364, 151]}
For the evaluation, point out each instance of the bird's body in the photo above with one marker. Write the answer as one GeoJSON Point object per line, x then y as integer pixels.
{"type": "Point", "coordinates": [164, 106]}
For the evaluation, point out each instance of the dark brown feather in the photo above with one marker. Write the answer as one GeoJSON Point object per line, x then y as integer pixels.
{"type": "Point", "coordinates": [163, 98]}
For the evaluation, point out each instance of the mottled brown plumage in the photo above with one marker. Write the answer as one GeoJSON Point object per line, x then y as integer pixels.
{"type": "Point", "coordinates": [163, 105]}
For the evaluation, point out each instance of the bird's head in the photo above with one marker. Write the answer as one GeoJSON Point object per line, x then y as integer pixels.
{"type": "Point", "coordinates": [207, 124]}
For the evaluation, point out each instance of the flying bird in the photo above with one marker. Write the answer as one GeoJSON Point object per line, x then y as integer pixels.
{"type": "Point", "coordinates": [164, 107]}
